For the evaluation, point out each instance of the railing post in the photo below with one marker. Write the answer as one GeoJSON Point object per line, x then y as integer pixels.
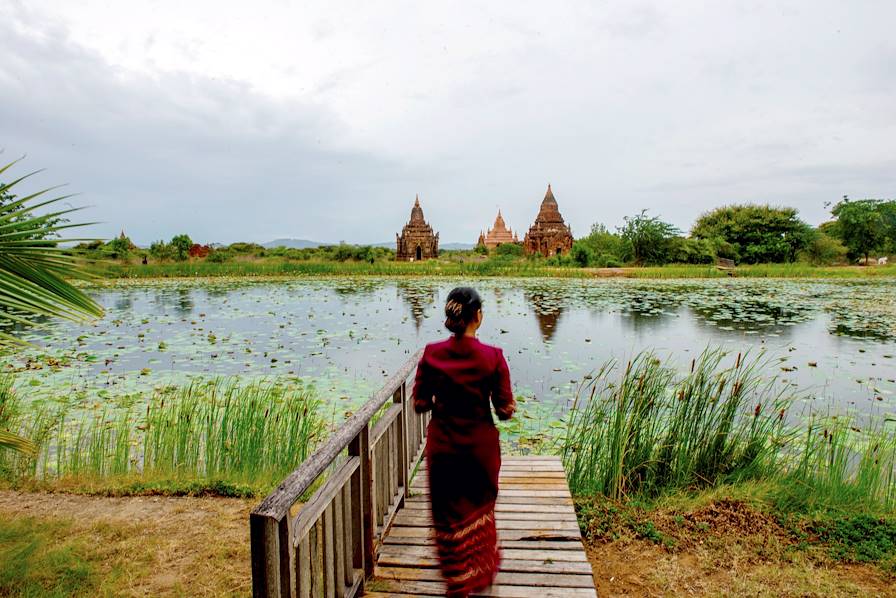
{"type": "Point", "coordinates": [362, 503]}
{"type": "Point", "coordinates": [404, 461]}
{"type": "Point", "coordinates": [271, 556]}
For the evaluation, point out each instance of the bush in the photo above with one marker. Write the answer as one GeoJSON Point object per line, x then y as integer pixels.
{"type": "Point", "coordinates": [481, 250]}
{"type": "Point", "coordinates": [509, 249]}
{"type": "Point", "coordinates": [684, 250]}
{"type": "Point", "coordinates": [219, 256]}
{"type": "Point", "coordinates": [824, 250]}
{"type": "Point", "coordinates": [609, 261]}
{"type": "Point", "coordinates": [181, 244]}
{"type": "Point", "coordinates": [582, 254]}
{"type": "Point", "coordinates": [759, 233]}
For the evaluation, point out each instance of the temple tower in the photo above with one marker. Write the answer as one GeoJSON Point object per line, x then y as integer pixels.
{"type": "Point", "coordinates": [417, 240]}
{"type": "Point", "coordinates": [549, 235]}
{"type": "Point", "coordinates": [497, 234]}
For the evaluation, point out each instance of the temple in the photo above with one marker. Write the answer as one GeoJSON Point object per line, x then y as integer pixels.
{"type": "Point", "coordinates": [417, 241]}
{"type": "Point", "coordinates": [497, 234]}
{"type": "Point", "coordinates": [549, 235]}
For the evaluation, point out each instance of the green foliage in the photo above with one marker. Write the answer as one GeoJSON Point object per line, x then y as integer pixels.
{"type": "Point", "coordinates": [161, 250]}
{"type": "Point", "coordinates": [34, 270]}
{"type": "Point", "coordinates": [180, 245]}
{"type": "Point", "coordinates": [582, 254]}
{"type": "Point", "coordinates": [511, 249]}
{"type": "Point", "coordinates": [647, 432]}
{"type": "Point", "coordinates": [481, 250]}
{"type": "Point", "coordinates": [119, 247]}
{"type": "Point", "coordinates": [688, 250]}
{"type": "Point", "coordinates": [219, 256]}
{"type": "Point", "coordinates": [823, 250]}
{"type": "Point", "coordinates": [606, 246]}
{"type": "Point", "coordinates": [754, 233]}
{"type": "Point", "coordinates": [861, 538]}
{"type": "Point", "coordinates": [865, 225]}
{"type": "Point", "coordinates": [37, 558]}
{"type": "Point", "coordinates": [649, 238]}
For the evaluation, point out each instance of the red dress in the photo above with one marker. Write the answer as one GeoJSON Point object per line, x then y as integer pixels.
{"type": "Point", "coordinates": [456, 379]}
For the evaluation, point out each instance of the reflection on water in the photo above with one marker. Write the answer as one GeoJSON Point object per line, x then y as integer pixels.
{"type": "Point", "coordinates": [547, 308]}
{"type": "Point", "coordinates": [833, 340]}
{"type": "Point", "coordinates": [419, 297]}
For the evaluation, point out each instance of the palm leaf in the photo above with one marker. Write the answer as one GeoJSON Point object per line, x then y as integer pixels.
{"type": "Point", "coordinates": [17, 443]}
{"type": "Point", "coordinates": [35, 269]}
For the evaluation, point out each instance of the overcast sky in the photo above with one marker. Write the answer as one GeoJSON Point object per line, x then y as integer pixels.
{"type": "Point", "coordinates": [322, 120]}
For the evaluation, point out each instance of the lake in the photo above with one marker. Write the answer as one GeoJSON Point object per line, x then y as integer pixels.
{"type": "Point", "coordinates": [834, 341]}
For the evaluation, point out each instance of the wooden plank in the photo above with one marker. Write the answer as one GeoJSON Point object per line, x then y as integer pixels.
{"type": "Point", "coordinates": [384, 423]}
{"type": "Point", "coordinates": [520, 554]}
{"type": "Point", "coordinates": [347, 534]}
{"type": "Point", "coordinates": [538, 522]}
{"type": "Point", "coordinates": [329, 556]}
{"type": "Point", "coordinates": [429, 588]}
{"type": "Point", "coordinates": [316, 554]}
{"type": "Point", "coordinates": [303, 568]}
{"type": "Point", "coordinates": [501, 507]}
{"type": "Point", "coordinates": [397, 533]}
{"type": "Point", "coordinates": [539, 565]}
{"type": "Point", "coordinates": [311, 511]}
{"type": "Point", "coordinates": [536, 500]}
{"type": "Point", "coordinates": [339, 543]}
{"type": "Point", "coordinates": [529, 544]}
{"type": "Point", "coordinates": [538, 580]}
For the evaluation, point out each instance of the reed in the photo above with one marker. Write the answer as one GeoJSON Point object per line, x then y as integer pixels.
{"type": "Point", "coordinates": [649, 431]}
{"type": "Point", "coordinates": [251, 434]}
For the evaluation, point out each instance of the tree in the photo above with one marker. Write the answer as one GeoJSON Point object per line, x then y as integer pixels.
{"type": "Point", "coordinates": [756, 233]}
{"type": "Point", "coordinates": [582, 254]}
{"type": "Point", "coordinates": [181, 244]}
{"type": "Point", "coordinates": [649, 238]}
{"type": "Point", "coordinates": [511, 249]}
{"type": "Point", "coordinates": [824, 249]}
{"type": "Point", "coordinates": [605, 245]}
{"type": "Point", "coordinates": [34, 272]}
{"type": "Point", "coordinates": [862, 226]}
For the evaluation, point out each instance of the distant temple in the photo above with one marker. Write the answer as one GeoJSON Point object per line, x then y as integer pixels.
{"type": "Point", "coordinates": [549, 235]}
{"type": "Point", "coordinates": [417, 241]}
{"type": "Point", "coordinates": [497, 234]}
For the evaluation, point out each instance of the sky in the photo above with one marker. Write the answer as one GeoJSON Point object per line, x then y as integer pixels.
{"type": "Point", "coordinates": [322, 120]}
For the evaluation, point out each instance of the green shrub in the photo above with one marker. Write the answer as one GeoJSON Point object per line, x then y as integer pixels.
{"type": "Point", "coordinates": [512, 249]}
{"type": "Point", "coordinates": [824, 250]}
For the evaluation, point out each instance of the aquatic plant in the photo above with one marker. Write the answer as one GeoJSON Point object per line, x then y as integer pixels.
{"type": "Point", "coordinates": [214, 430]}
{"type": "Point", "coordinates": [648, 431]}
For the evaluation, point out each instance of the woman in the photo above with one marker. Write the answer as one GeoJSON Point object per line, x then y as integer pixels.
{"type": "Point", "coordinates": [456, 378]}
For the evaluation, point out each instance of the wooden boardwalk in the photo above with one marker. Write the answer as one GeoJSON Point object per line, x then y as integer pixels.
{"type": "Point", "coordinates": [365, 529]}
{"type": "Point", "coordinates": [542, 548]}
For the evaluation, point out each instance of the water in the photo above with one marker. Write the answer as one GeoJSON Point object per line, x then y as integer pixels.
{"type": "Point", "coordinates": [833, 341]}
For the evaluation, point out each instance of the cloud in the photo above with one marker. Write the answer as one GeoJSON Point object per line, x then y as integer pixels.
{"type": "Point", "coordinates": [323, 121]}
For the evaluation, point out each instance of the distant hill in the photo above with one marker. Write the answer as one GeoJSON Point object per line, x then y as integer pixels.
{"type": "Point", "coordinates": [292, 243]}
{"type": "Point", "coordinates": [306, 244]}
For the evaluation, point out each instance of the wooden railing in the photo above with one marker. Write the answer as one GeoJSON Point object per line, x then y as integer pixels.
{"type": "Point", "coordinates": [328, 547]}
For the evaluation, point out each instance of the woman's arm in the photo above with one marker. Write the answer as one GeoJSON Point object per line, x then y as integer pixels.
{"type": "Point", "coordinates": [422, 389]}
{"type": "Point", "coordinates": [502, 393]}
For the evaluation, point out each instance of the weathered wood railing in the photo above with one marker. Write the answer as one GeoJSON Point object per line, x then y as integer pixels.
{"type": "Point", "coordinates": [327, 548]}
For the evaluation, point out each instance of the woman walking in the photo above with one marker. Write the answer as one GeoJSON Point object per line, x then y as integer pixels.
{"type": "Point", "coordinates": [456, 379]}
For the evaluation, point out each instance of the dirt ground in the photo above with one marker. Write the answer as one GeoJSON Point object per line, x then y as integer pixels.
{"type": "Point", "coordinates": [155, 546]}
{"type": "Point", "coordinates": [160, 546]}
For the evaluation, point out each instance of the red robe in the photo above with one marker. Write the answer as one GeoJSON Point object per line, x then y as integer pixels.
{"type": "Point", "coordinates": [456, 379]}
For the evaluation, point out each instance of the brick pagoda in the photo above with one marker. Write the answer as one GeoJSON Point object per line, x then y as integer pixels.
{"type": "Point", "coordinates": [497, 234]}
{"type": "Point", "coordinates": [549, 235]}
{"type": "Point", "coordinates": [417, 240]}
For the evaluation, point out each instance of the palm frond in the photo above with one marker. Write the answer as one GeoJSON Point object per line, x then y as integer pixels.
{"type": "Point", "coordinates": [17, 443]}
{"type": "Point", "coordinates": [35, 267]}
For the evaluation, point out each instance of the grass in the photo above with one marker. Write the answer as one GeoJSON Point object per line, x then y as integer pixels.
{"type": "Point", "coordinates": [39, 559]}
{"type": "Point", "coordinates": [208, 437]}
{"type": "Point", "coordinates": [647, 432]}
{"type": "Point", "coordinates": [471, 266]}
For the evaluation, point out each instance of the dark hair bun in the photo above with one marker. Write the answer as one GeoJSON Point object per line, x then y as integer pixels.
{"type": "Point", "coordinates": [460, 309]}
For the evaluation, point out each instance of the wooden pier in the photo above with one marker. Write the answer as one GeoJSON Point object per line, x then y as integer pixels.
{"type": "Point", "coordinates": [366, 529]}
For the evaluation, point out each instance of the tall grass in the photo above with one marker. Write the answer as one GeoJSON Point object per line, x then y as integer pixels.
{"type": "Point", "coordinates": [648, 432]}
{"type": "Point", "coordinates": [841, 468]}
{"type": "Point", "coordinates": [252, 434]}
